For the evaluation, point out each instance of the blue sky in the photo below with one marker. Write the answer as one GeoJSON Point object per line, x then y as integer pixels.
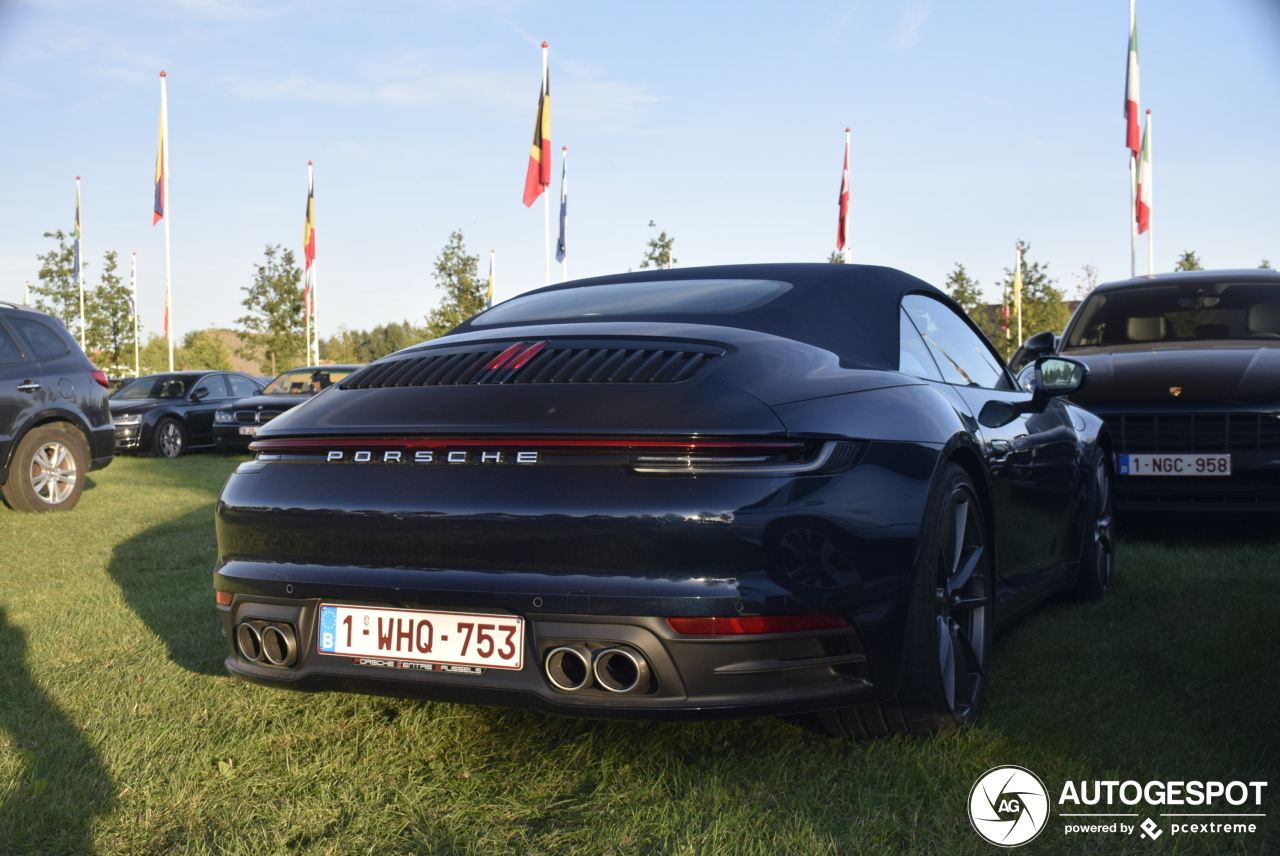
{"type": "Point", "coordinates": [974, 124]}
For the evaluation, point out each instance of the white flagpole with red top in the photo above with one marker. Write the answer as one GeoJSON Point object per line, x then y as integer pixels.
{"type": "Point", "coordinates": [844, 202]}
{"type": "Point", "coordinates": [164, 178]}
{"type": "Point", "coordinates": [546, 167]}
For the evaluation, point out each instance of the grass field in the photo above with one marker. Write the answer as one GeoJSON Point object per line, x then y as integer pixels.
{"type": "Point", "coordinates": [120, 733]}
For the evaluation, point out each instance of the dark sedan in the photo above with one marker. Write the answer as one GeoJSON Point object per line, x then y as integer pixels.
{"type": "Point", "coordinates": [167, 414]}
{"type": "Point", "coordinates": [235, 424]}
{"type": "Point", "coordinates": [711, 492]}
{"type": "Point", "coordinates": [1185, 369]}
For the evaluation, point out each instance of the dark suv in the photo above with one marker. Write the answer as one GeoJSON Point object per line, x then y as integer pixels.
{"type": "Point", "coordinates": [55, 425]}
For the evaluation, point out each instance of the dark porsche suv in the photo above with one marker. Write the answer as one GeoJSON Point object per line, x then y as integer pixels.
{"type": "Point", "coordinates": [55, 425]}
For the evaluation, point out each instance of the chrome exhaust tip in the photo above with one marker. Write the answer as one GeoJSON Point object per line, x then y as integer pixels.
{"type": "Point", "coordinates": [279, 645]}
{"type": "Point", "coordinates": [249, 642]}
{"type": "Point", "coordinates": [621, 671]}
{"type": "Point", "coordinates": [567, 668]}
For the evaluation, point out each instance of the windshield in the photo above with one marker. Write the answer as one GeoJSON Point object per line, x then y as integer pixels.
{"type": "Point", "coordinates": [1178, 313]}
{"type": "Point", "coordinates": [154, 386]}
{"type": "Point", "coordinates": [305, 381]}
{"type": "Point", "coordinates": [665, 297]}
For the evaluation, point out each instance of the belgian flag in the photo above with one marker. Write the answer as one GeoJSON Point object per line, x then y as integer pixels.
{"type": "Point", "coordinates": [538, 177]}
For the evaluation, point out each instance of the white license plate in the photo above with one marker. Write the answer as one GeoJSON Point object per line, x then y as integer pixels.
{"type": "Point", "coordinates": [249, 430]}
{"type": "Point", "coordinates": [1175, 465]}
{"type": "Point", "coordinates": [418, 636]}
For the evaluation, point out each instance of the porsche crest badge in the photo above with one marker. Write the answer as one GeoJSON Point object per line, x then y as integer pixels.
{"type": "Point", "coordinates": [1175, 391]}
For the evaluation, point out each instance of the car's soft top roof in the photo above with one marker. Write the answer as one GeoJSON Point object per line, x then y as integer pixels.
{"type": "Point", "coordinates": [850, 310]}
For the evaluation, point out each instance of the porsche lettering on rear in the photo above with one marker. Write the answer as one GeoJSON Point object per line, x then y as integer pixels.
{"type": "Point", "coordinates": [431, 456]}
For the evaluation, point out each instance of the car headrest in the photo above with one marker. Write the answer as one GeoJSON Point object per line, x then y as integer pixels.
{"type": "Point", "coordinates": [1147, 329]}
{"type": "Point", "coordinates": [1265, 317]}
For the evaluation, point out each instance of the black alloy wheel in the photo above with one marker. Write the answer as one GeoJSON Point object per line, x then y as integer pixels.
{"type": "Point", "coordinates": [169, 440]}
{"type": "Point", "coordinates": [1097, 550]}
{"type": "Point", "coordinates": [48, 470]}
{"type": "Point", "coordinates": [950, 624]}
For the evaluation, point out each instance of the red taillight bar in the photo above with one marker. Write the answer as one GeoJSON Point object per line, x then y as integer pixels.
{"type": "Point", "coordinates": [529, 353]}
{"type": "Point", "coordinates": [498, 361]}
{"type": "Point", "coordinates": [716, 626]}
{"type": "Point", "coordinates": [101, 377]}
{"type": "Point", "coordinates": [444, 442]}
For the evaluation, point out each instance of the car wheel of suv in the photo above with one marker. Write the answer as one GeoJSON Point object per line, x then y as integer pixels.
{"type": "Point", "coordinates": [950, 625]}
{"type": "Point", "coordinates": [169, 440]}
{"type": "Point", "coordinates": [48, 471]}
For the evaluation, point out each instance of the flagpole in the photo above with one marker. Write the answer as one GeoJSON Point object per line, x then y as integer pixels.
{"type": "Point", "coordinates": [1017, 291]}
{"type": "Point", "coordinates": [311, 310]}
{"type": "Point", "coordinates": [164, 178]}
{"type": "Point", "coordinates": [848, 239]}
{"type": "Point", "coordinates": [133, 287]}
{"type": "Point", "coordinates": [493, 255]}
{"type": "Point", "coordinates": [564, 190]}
{"type": "Point", "coordinates": [80, 264]}
{"type": "Point", "coordinates": [546, 200]}
{"type": "Point", "coordinates": [1133, 162]}
{"type": "Point", "coordinates": [26, 293]}
{"type": "Point", "coordinates": [1151, 220]}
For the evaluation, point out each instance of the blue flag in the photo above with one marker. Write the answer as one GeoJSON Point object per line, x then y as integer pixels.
{"type": "Point", "coordinates": [564, 201]}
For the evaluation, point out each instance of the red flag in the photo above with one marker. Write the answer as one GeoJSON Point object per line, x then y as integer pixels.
{"type": "Point", "coordinates": [538, 177]}
{"type": "Point", "coordinates": [1145, 176]}
{"type": "Point", "coordinates": [1131, 137]}
{"type": "Point", "coordinates": [841, 237]}
{"type": "Point", "coordinates": [309, 231]}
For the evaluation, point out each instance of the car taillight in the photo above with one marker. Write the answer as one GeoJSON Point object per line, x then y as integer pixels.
{"type": "Point", "coordinates": [716, 626]}
{"type": "Point", "coordinates": [101, 377]}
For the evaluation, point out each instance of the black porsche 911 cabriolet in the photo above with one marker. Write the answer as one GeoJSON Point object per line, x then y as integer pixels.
{"type": "Point", "coordinates": [713, 492]}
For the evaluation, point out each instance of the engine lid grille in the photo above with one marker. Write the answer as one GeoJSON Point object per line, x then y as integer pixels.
{"type": "Point", "coordinates": [542, 361]}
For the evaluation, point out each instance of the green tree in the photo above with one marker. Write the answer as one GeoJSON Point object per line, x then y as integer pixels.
{"type": "Point", "coordinates": [365, 346]}
{"type": "Point", "coordinates": [57, 291]}
{"type": "Point", "coordinates": [1266, 265]}
{"type": "Point", "coordinates": [660, 251]}
{"type": "Point", "coordinates": [1188, 261]}
{"type": "Point", "coordinates": [274, 329]}
{"type": "Point", "coordinates": [110, 323]}
{"type": "Point", "coordinates": [1043, 304]}
{"type": "Point", "coordinates": [154, 355]}
{"type": "Point", "coordinates": [836, 257]}
{"type": "Point", "coordinates": [966, 291]}
{"type": "Point", "coordinates": [464, 291]}
{"type": "Point", "coordinates": [205, 349]}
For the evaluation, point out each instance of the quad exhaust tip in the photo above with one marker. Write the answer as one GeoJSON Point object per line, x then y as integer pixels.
{"type": "Point", "coordinates": [268, 644]}
{"type": "Point", "coordinates": [617, 670]}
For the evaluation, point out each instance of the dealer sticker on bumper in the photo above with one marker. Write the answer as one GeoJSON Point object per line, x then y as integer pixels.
{"type": "Point", "coordinates": [1175, 465]}
{"type": "Point", "coordinates": [411, 635]}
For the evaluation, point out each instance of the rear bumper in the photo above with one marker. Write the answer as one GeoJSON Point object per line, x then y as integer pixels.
{"type": "Point", "coordinates": [691, 677]}
{"type": "Point", "coordinates": [228, 438]}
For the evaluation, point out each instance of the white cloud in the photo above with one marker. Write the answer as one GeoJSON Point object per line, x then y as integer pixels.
{"type": "Point", "coordinates": [912, 21]}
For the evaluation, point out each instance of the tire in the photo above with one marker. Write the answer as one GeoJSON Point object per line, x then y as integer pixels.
{"type": "Point", "coordinates": [1097, 547]}
{"type": "Point", "coordinates": [169, 440]}
{"type": "Point", "coordinates": [48, 470]}
{"type": "Point", "coordinates": [950, 624]}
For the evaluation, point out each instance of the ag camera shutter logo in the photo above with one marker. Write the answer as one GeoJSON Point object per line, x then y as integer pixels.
{"type": "Point", "coordinates": [1009, 806]}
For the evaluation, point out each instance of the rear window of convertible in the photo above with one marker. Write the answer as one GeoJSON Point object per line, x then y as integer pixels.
{"type": "Point", "coordinates": [622, 299]}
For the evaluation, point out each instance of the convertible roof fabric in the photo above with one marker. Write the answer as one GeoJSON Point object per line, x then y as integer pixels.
{"type": "Point", "coordinates": [850, 310]}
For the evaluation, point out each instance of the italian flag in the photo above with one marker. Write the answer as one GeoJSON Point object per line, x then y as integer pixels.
{"type": "Point", "coordinates": [1131, 85]}
{"type": "Point", "coordinates": [1144, 180]}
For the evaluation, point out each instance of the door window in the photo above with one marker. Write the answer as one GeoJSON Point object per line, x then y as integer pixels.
{"type": "Point", "coordinates": [43, 343]}
{"type": "Point", "coordinates": [913, 355]}
{"type": "Point", "coordinates": [215, 386]}
{"type": "Point", "coordinates": [9, 352]}
{"type": "Point", "coordinates": [241, 386]}
{"type": "Point", "coordinates": [962, 355]}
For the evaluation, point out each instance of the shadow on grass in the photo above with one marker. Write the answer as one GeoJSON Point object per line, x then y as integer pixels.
{"type": "Point", "coordinates": [166, 576]}
{"type": "Point", "coordinates": [50, 808]}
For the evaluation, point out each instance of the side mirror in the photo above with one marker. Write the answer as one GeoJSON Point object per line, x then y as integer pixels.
{"type": "Point", "coordinates": [1039, 345]}
{"type": "Point", "coordinates": [1060, 376]}
{"type": "Point", "coordinates": [200, 394]}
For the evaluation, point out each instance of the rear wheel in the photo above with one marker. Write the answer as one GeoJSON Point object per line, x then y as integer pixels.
{"type": "Point", "coordinates": [950, 624]}
{"type": "Point", "coordinates": [1097, 553]}
{"type": "Point", "coordinates": [48, 471]}
{"type": "Point", "coordinates": [169, 439]}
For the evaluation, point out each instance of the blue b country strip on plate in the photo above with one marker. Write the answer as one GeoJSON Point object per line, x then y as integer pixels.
{"type": "Point", "coordinates": [328, 628]}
